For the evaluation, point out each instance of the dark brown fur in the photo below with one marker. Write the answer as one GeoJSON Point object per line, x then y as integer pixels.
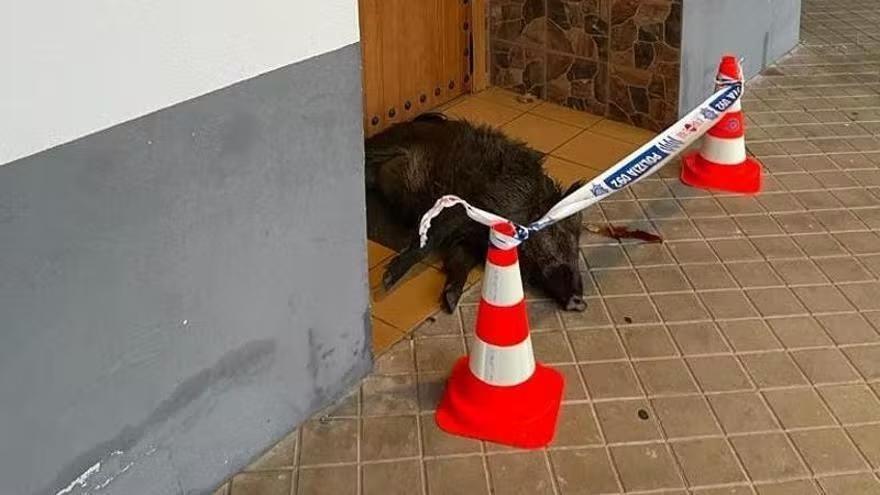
{"type": "Point", "coordinates": [411, 165]}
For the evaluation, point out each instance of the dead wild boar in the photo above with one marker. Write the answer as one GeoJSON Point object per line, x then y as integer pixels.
{"type": "Point", "coordinates": [413, 164]}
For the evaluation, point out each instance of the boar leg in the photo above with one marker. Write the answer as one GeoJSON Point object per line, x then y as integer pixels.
{"type": "Point", "coordinates": [457, 263]}
{"type": "Point", "coordinates": [377, 158]}
{"type": "Point", "coordinates": [402, 263]}
{"type": "Point", "coordinates": [444, 230]}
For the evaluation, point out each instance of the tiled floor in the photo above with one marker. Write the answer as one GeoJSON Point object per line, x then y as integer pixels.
{"type": "Point", "coordinates": [579, 145]}
{"type": "Point", "coordinates": [751, 336]}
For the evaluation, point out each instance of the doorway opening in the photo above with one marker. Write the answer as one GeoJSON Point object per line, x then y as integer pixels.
{"type": "Point", "coordinates": [434, 55]}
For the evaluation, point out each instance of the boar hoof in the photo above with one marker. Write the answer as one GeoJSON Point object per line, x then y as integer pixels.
{"type": "Point", "coordinates": [451, 296]}
{"type": "Point", "coordinates": [389, 279]}
{"type": "Point", "coordinates": [576, 303]}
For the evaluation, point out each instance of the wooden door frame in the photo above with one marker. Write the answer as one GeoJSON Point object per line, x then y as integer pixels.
{"type": "Point", "coordinates": [480, 45]}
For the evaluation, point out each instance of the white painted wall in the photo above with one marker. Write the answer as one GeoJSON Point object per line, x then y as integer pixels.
{"type": "Point", "coordinates": [68, 69]}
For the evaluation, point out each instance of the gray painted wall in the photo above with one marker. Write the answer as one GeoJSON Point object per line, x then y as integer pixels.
{"type": "Point", "coordinates": [761, 31]}
{"type": "Point", "coordinates": [179, 291]}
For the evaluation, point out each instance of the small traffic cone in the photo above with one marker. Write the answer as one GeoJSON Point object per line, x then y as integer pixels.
{"type": "Point", "coordinates": [722, 163]}
{"type": "Point", "coordinates": [499, 393]}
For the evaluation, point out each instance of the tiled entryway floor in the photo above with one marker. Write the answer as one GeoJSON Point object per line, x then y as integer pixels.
{"type": "Point", "coordinates": [751, 336]}
{"type": "Point", "coordinates": [579, 145]}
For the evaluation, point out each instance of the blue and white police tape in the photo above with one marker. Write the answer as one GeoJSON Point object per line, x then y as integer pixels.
{"type": "Point", "coordinates": [640, 164]}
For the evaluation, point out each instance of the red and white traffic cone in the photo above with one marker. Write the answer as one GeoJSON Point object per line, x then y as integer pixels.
{"type": "Point", "coordinates": [722, 163]}
{"type": "Point", "coordinates": [499, 393]}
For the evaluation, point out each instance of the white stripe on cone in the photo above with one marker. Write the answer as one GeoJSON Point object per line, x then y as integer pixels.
{"type": "Point", "coordinates": [502, 285]}
{"type": "Point", "coordinates": [724, 151]}
{"type": "Point", "coordinates": [502, 366]}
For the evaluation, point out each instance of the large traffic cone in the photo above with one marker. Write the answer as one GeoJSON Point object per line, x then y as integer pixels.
{"type": "Point", "coordinates": [499, 393]}
{"type": "Point", "coordinates": [722, 163]}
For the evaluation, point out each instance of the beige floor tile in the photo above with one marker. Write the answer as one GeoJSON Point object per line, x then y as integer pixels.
{"type": "Point", "coordinates": [481, 111]}
{"type": "Point", "coordinates": [584, 471]}
{"type": "Point", "coordinates": [551, 348]}
{"type": "Point", "coordinates": [377, 253]}
{"type": "Point", "coordinates": [610, 380]}
{"type": "Point", "coordinates": [594, 150]}
{"type": "Point", "coordinates": [686, 416]}
{"type": "Point", "coordinates": [412, 300]}
{"type": "Point", "coordinates": [543, 315]}
{"type": "Point", "coordinates": [824, 366]}
{"type": "Point", "coordinates": [773, 369]}
{"type": "Point", "coordinates": [852, 403]}
{"type": "Point", "coordinates": [441, 324]}
{"type": "Point", "coordinates": [596, 345]}
{"type": "Point", "coordinates": [566, 115]}
{"type": "Point", "coordinates": [617, 282]}
{"type": "Point", "coordinates": [867, 438]}
{"type": "Point", "coordinates": [336, 480]}
{"type": "Point", "coordinates": [389, 395]}
{"type": "Point", "coordinates": [850, 484]}
{"type": "Point", "coordinates": [768, 457]}
{"type": "Point", "coordinates": [799, 408]}
{"type": "Point", "coordinates": [648, 341]}
{"type": "Point", "coordinates": [728, 304]}
{"type": "Point", "coordinates": [708, 462]}
{"type": "Point", "coordinates": [635, 310]}
{"type": "Point", "coordinates": [719, 374]}
{"type": "Point", "coordinates": [507, 98]}
{"type": "Point", "coordinates": [828, 451]}
{"type": "Point", "coordinates": [384, 336]}
{"type": "Point", "coordinates": [742, 412]}
{"type": "Point", "coordinates": [623, 132]}
{"type": "Point", "coordinates": [799, 331]}
{"type": "Point", "coordinates": [397, 359]}
{"type": "Point", "coordinates": [436, 442]}
{"type": "Point", "coordinates": [698, 338]}
{"type": "Point", "coordinates": [663, 279]}
{"type": "Point", "coordinates": [708, 277]}
{"type": "Point", "coordinates": [327, 442]}
{"type": "Point", "coordinates": [392, 478]}
{"type": "Point", "coordinates": [567, 172]}
{"type": "Point", "coordinates": [644, 254]}
{"type": "Point", "coordinates": [344, 407]}
{"type": "Point", "coordinates": [646, 467]}
{"type": "Point", "coordinates": [574, 387]}
{"type": "Point", "coordinates": [262, 483]}
{"type": "Point", "coordinates": [679, 307]}
{"type": "Point", "coordinates": [725, 490]}
{"type": "Point", "coordinates": [795, 487]}
{"type": "Point", "coordinates": [392, 437]}
{"type": "Point", "coordinates": [749, 335]}
{"type": "Point", "coordinates": [520, 474]}
{"type": "Point", "coordinates": [540, 133]}
{"type": "Point", "coordinates": [621, 421]}
{"type": "Point", "coordinates": [438, 354]}
{"type": "Point", "coordinates": [576, 427]}
{"type": "Point", "coordinates": [431, 387]}
{"type": "Point", "coordinates": [456, 476]}
{"type": "Point", "coordinates": [281, 456]}
{"type": "Point", "coordinates": [594, 316]}
{"type": "Point", "coordinates": [850, 328]}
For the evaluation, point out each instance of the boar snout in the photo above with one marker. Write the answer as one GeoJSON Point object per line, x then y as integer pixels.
{"type": "Point", "coordinates": [576, 303]}
{"type": "Point", "coordinates": [564, 284]}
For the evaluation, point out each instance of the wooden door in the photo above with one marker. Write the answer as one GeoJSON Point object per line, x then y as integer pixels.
{"type": "Point", "coordinates": [416, 56]}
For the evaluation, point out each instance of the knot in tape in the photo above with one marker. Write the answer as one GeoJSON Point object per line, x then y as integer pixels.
{"type": "Point", "coordinates": [501, 239]}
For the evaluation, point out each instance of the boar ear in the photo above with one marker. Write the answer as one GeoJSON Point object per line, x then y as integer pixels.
{"type": "Point", "coordinates": [574, 187]}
